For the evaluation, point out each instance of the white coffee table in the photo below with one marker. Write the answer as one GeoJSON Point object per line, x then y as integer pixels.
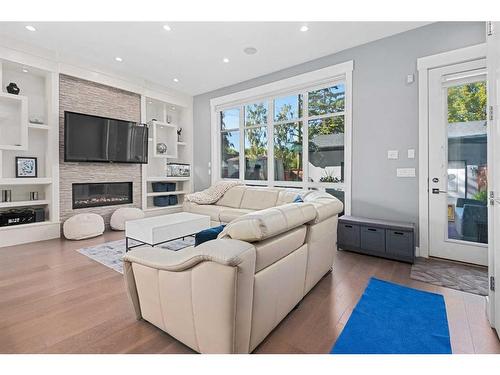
{"type": "Point", "coordinates": [160, 229]}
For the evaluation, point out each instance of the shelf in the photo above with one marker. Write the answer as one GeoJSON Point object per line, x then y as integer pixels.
{"type": "Point", "coordinates": [161, 123]}
{"type": "Point", "coordinates": [30, 225]}
{"type": "Point", "coordinates": [181, 144]}
{"type": "Point", "coordinates": [162, 193]}
{"type": "Point", "coordinates": [162, 208]}
{"type": "Point", "coordinates": [173, 179]}
{"type": "Point", "coordinates": [38, 126]}
{"type": "Point", "coordinates": [39, 202]}
{"type": "Point", "coordinates": [26, 181]}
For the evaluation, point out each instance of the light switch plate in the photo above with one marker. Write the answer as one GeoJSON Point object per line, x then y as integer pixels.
{"type": "Point", "coordinates": [410, 78]}
{"type": "Point", "coordinates": [405, 172]}
{"type": "Point", "coordinates": [392, 154]}
{"type": "Point", "coordinates": [411, 153]}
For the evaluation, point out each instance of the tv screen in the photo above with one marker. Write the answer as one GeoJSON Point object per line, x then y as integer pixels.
{"type": "Point", "coordinates": [100, 139]}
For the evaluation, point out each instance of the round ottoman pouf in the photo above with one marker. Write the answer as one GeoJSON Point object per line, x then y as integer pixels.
{"type": "Point", "coordinates": [83, 226]}
{"type": "Point", "coordinates": [121, 215]}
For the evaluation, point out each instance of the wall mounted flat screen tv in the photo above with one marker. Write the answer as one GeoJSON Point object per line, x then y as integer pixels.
{"type": "Point", "coordinates": [99, 139]}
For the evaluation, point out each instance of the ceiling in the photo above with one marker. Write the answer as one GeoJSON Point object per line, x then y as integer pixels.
{"type": "Point", "coordinates": [193, 52]}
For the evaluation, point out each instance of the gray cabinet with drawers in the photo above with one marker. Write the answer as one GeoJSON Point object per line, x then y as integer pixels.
{"type": "Point", "coordinates": [388, 239]}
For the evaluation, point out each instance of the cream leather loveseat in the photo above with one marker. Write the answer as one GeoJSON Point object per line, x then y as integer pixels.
{"type": "Point", "coordinates": [228, 294]}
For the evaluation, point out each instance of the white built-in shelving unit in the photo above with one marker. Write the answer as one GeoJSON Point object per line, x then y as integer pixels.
{"type": "Point", "coordinates": [29, 127]}
{"type": "Point", "coordinates": [164, 119]}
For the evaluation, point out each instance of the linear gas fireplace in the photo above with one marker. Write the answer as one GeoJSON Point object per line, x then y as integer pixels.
{"type": "Point", "coordinates": [101, 194]}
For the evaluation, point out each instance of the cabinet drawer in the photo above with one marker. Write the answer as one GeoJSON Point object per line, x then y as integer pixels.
{"type": "Point", "coordinates": [373, 239]}
{"type": "Point", "coordinates": [399, 243]}
{"type": "Point", "coordinates": [348, 235]}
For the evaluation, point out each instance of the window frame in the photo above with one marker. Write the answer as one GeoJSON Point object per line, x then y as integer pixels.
{"type": "Point", "coordinates": [298, 85]}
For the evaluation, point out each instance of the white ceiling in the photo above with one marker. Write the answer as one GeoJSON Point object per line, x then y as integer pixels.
{"type": "Point", "coordinates": [193, 52]}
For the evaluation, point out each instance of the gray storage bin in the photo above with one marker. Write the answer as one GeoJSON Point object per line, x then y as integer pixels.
{"type": "Point", "coordinates": [373, 239]}
{"type": "Point", "coordinates": [399, 243]}
{"type": "Point", "coordinates": [348, 235]}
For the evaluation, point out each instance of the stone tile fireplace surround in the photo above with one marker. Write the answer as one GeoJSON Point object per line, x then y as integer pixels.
{"type": "Point", "coordinates": [83, 96]}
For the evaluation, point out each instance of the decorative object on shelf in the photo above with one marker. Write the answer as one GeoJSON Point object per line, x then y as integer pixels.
{"type": "Point", "coordinates": [178, 170]}
{"type": "Point", "coordinates": [36, 120]}
{"type": "Point", "coordinates": [179, 132]}
{"type": "Point", "coordinates": [161, 148]}
{"type": "Point", "coordinates": [17, 217]}
{"type": "Point", "coordinates": [13, 89]}
{"type": "Point", "coordinates": [169, 119]}
{"type": "Point", "coordinates": [33, 195]}
{"type": "Point", "coordinates": [26, 167]}
{"type": "Point", "coordinates": [6, 195]}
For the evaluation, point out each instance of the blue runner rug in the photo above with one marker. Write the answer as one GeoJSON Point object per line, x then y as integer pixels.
{"type": "Point", "coordinates": [394, 319]}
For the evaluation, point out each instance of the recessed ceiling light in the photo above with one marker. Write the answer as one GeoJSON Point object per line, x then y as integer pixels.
{"type": "Point", "coordinates": [176, 80]}
{"type": "Point", "coordinates": [30, 28]}
{"type": "Point", "coordinates": [119, 59]}
{"type": "Point", "coordinates": [304, 28]}
{"type": "Point", "coordinates": [25, 70]}
{"type": "Point", "coordinates": [225, 59]}
{"type": "Point", "coordinates": [172, 108]}
{"type": "Point", "coordinates": [250, 50]}
{"type": "Point", "coordinates": [167, 28]}
{"type": "Point", "coordinates": [150, 102]}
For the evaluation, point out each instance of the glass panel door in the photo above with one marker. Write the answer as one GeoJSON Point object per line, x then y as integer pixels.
{"type": "Point", "coordinates": [467, 189]}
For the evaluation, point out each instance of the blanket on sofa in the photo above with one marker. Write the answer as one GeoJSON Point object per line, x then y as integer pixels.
{"type": "Point", "coordinates": [213, 193]}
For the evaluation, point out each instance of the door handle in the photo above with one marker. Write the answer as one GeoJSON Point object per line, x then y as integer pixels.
{"type": "Point", "coordinates": [437, 191]}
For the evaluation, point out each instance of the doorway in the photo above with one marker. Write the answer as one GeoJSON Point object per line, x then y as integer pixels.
{"type": "Point", "coordinates": [458, 162]}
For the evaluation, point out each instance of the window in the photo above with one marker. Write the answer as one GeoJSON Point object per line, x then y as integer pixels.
{"type": "Point", "coordinates": [325, 127]}
{"type": "Point", "coordinates": [256, 141]}
{"type": "Point", "coordinates": [299, 137]}
{"type": "Point", "coordinates": [326, 134]}
{"type": "Point", "coordinates": [230, 143]}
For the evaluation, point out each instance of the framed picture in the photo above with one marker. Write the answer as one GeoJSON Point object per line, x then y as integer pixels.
{"type": "Point", "coordinates": [26, 167]}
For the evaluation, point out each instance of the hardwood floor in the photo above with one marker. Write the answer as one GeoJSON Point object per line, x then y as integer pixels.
{"type": "Point", "coordinates": [55, 300]}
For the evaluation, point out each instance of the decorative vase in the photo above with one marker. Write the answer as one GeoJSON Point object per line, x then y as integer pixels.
{"type": "Point", "coordinates": [161, 148]}
{"type": "Point", "coordinates": [13, 89]}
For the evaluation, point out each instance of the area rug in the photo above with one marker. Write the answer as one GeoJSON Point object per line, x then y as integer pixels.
{"type": "Point", "coordinates": [111, 253]}
{"type": "Point", "coordinates": [394, 319]}
{"type": "Point", "coordinates": [468, 278]}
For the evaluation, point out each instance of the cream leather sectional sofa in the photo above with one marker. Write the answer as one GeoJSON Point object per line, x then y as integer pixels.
{"type": "Point", "coordinates": [228, 294]}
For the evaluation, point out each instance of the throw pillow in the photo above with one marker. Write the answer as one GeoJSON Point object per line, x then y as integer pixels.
{"type": "Point", "coordinates": [298, 199]}
{"type": "Point", "coordinates": [207, 235]}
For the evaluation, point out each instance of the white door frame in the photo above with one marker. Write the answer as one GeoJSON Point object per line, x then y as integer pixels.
{"type": "Point", "coordinates": [424, 64]}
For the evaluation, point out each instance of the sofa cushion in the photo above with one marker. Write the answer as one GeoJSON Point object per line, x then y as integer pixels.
{"type": "Point", "coordinates": [204, 209]}
{"type": "Point", "coordinates": [277, 247]}
{"type": "Point", "coordinates": [232, 198]}
{"type": "Point", "coordinates": [207, 235]}
{"type": "Point", "coordinates": [229, 214]}
{"type": "Point", "coordinates": [263, 224]}
{"type": "Point", "coordinates": [256, 198]}
{"type": "Point", "coordinates": [288, 195]}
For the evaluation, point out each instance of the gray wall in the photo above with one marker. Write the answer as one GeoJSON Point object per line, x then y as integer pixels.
{"type": "Point", "coordinates": [385, 114]}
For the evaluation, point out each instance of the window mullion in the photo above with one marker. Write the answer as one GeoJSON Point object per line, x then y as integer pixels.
{"type": "Point", "coordinates": [242, 143]}
{"type": "Point", "coordinates": [305, 139]}
{"type": "Point", "coordinates": [270, 142]}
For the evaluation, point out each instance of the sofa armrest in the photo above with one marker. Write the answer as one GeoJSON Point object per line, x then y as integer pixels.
{"type": "Point", "coordinates": [326, 208]}
{"type": "Point", "coordinates": [223, 251]}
